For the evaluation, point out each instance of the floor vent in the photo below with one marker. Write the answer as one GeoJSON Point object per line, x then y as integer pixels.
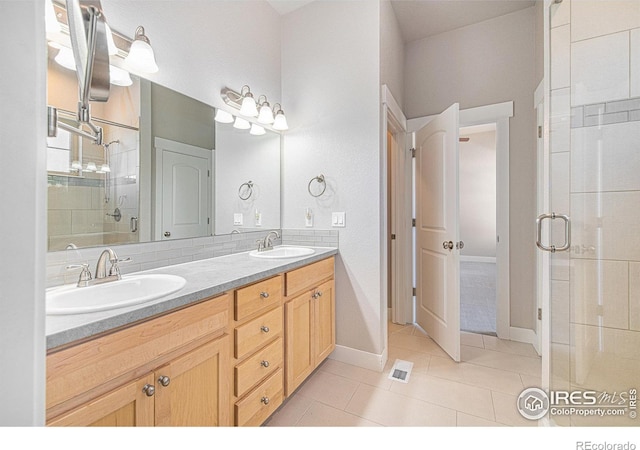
{"type": "Point", "coordinates": [401, 371]}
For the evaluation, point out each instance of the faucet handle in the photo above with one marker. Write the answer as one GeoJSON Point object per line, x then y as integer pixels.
{"type": "Point", "coordinates": [260, 243]}
{"type": "Point", "coordinates": [85, 274]}
{"type": "Point", "coordinates": [115, 269]}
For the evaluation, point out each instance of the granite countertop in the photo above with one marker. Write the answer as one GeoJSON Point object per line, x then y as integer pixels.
{"type": "Point", "coordinates": [205, 278]}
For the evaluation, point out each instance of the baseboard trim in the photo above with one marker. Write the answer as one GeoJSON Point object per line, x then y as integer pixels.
{"type": "Point", "coordinates": [360, 358]}
{"type": "Point", "coordinates": [482, 259]}
{"type": "Point", "coordinates": [524, 335]}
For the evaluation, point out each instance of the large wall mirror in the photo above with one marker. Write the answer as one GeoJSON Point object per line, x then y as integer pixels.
{"type": "Point", "coordinates": [166, 169]}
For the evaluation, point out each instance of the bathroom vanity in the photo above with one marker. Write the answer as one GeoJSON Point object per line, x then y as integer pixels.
{"type": "Point", "coordinates": [225, 350]}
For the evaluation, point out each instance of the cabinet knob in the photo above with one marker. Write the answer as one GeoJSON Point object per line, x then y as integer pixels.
{"type": "Point", "coordinates": [164, 380]}
{"type": "Point", "coordinates": [264, 328]}
{"type": "Point", "coordinates": [264, 294]}
{"type": "Point", "coordinates": [264, 363]}
{"type": "Point", "coordinates": [319, 293]}
{"type": "Point", "coordinates": [149, 390]}
{"type": "Point", "coordinates": [265, 400]}
{"type": "Point", "coordinates": [167, 233]}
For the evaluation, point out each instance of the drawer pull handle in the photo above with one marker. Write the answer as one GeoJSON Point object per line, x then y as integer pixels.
{"type": "Point", "coordinates": [264, 294]}
{"type": "Point", "coordinates": [264, 328]}
{"type": "Point", "coordinates": [149, 390]}
{"type": "Point", "coordinates": [164, 380]}
{"type": "Point", "coordinates": [264, 363]}
{"type": "Point", "coordinates": [265, 400]}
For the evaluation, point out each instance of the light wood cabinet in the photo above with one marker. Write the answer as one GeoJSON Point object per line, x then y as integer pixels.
{"type": "Point", "coordinates": [309, 321]}
{"type": "Point", "coordinates": [173, 370]}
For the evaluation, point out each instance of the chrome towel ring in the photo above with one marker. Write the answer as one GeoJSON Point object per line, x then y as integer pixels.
{"type": "Point", "coordinates": [245, 193]}
{"type": "Point", "coordinates": [320, 180]}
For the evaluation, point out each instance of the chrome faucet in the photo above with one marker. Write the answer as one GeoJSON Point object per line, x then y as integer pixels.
{"type": "Point", "coordinates": [266, 243]}
{"type": "Point", "coordinates": [101, 275]}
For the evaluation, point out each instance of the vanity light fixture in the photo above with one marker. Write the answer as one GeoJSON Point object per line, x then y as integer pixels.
{"type": "Point", "coordinates": [119, 77]}
{"type": "Point", "coordinates": [280, 122]}
{"type": "Point", "coordinates": [52, 25]}
{"type": "Point", "coordinates": [141, 57]}
{"type": "Point", "coordinates": [266, 114]}
{"type": "Point", "coordinates": [76, 165]}
{"type": "Point", "coordinates": [248, 107]}
{"type": "Point", "coordinates": [223, 116]}
{"type": "Point", "coordinates": [104, 168]}
{"type": "Point", "coordinates": [241, 124]}
{"type": "Point", "coordinates": [257, 130]}
{"type": "Point", "coordinates": [65, 58]}
{"type": "Point", "coordinates": [91, 167]}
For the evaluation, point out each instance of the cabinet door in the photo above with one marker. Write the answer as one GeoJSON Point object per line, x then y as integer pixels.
{"type": "Point", "coordinates": [324, 321]}
{"type": "Point", "coordinates": [197, 387]}
{"type": "Point", "coordinates": [127, 406]}
{"type": "Point", "coordinates": [299, 340]}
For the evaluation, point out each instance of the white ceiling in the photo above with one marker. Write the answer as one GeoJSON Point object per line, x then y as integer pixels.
{"type": "Point", "coordinates": [419, 19]}
{"type": "Point", "coordinates": [422, 18]}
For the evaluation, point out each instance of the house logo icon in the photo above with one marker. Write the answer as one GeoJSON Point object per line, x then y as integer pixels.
{"type": "Point", "coordinates": [533, 403]}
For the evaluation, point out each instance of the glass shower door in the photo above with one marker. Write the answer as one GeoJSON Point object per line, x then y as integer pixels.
{"type": "Point", "coordinates": [594, 178]}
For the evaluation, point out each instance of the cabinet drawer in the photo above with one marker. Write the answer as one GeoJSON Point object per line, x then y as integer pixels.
{"type": "Point", "coordinates": [257, 297]}
{"type": "Point", "coordinates": [255, 333]}
{"type": "Point", "coordinates": [254, 409]}
{"type": "Point", "coordinates": [308, 276]}
{"type": "Point", "coordinates": [88, 367]}
{"type": "Point", "coordinates": [258, 366]}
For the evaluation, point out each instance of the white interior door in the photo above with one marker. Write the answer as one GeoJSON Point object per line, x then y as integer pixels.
{"type": "Point", "coordinates": [184, 188]}
{"type": "Point", "coordinates": [437, 231]}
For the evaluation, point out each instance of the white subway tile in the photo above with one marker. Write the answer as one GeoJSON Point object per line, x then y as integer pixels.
{"type": "Point", "coordinates": [600, 69]}
{"type": "Point", "coordinates": [560, 54]}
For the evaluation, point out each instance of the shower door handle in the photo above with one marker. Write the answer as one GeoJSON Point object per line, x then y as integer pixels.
{"type": "Point", "coordinates": [567, 233]}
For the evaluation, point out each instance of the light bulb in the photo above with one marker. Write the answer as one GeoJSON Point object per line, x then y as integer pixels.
{"type": "Point", "coordinates": [119, 77]}
{"type": "Point", "coordinates": [91, 167]}
{"type": "Point", "coordinates": [241, 124]}
{"type": "Point", "coordinates": [141, 57]}
{"type": "Point", "coordinates": [65, 58]}
{"type": "Point", "coordinates": [105, 168]}
{"type": "Point", "coordinates": [280, 122]}
{"type": "Point", "coordinates": [76, 165]}
{"type": "Point", "coordinates": [257, 130]}
{"type": "Point", "coordinates": [223, 116]}
{"type": "Point", "coordinates": [266, 115]}
{"type": "Point", "coordinates": [248, 107]}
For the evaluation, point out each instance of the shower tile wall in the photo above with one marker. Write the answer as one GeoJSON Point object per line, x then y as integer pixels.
{"type": "Point", "coordinates": [595, 162]}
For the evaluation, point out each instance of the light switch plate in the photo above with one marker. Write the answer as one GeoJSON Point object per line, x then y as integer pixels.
{"type": "Point", "coordinates": [237, 219]}
{"type": "Point", "coordinates": [338, 219]}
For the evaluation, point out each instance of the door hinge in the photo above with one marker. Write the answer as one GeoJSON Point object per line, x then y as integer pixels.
{"type": "Point", "coordinates": [539, 131]}
{"type": "Point", "coordinates": [414, 292]}
{"type": "Point", "coordinates": [413, 152]}
{"type": "Point", "coordinates": [208, 173]}
{"type": "Point", "coordinates": [393, 237]}
{"type": "Point", "coordinates": [539, 313]}
{"type": "Point", "coordinates": [208, 220]}
{"type": "Point", "coordinates": [413, 222]}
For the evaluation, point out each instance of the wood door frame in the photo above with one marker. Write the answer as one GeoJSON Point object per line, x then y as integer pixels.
{"type": "Point", "coordinates": [499, 114]}
{"type": "Point", "coordinates": [161, 144]}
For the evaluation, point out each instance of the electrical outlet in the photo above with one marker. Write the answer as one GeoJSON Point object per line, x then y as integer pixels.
{"type": "Point", "coordinates": [238, 219]}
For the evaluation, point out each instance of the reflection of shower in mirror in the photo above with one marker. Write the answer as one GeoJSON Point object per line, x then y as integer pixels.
{"type": "Point", "coordinates": [106, 168]}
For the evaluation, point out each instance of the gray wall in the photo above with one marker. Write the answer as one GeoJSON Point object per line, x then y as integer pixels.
{"type": "Point", "coordinates": [331, 80]}
{"type": "Point", "coordinates": [486, 63]}
{"type": "Point", "coordinates": [23, 182]}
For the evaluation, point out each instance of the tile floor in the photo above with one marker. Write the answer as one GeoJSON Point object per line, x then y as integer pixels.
{"type": "Point", "coordinates": [479, 391]}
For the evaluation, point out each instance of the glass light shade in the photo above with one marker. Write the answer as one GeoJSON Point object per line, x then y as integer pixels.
{"type": "Point", "coordinates": [141, 57]}
{"type": "Point", "coordinates": [257, 130]}
{"type": "Point", "coordinates": [223, 116]}
{"type": "Point", "coordinates": [266, 115]}
{"type": "Point", "coordinates": [65, 58]}
{"type": "Point", "coordinates": [76, 165]}
{"type": "Point", "coordinates": [105, 168]}
{"type": "Point", "coordinates": [91, 167]}
{"type": "Point", "coordinates": [280, 122]}
{"type": "Point", "coordinates": [241, 124]}
{"type": "Point", "coordinates": [111, 45]}
{"type": "Point", "coordinates": [248, 107]}
{"type": "Point", "coordinates": [119, 77]}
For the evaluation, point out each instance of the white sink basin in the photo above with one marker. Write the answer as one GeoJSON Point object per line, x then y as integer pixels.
{"type": "Point", "coordinates": [130, 290]}
{"type": "Point", "coordinates": [283, 252]}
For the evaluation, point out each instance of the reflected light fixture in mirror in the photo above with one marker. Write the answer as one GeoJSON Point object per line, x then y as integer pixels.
{"type": "Point", "coordinates": [141, 57]}
{"type": "Point", "coordinates": [91, 167]}
{"type": "Point", "coordinates": [248, 107]}
{"type": "Point", "coordinates": [111, 45]}
{"type": "Point", "coordinates": [51, 21]}
{"type": "Point", "coordinates": [223, 116]}
{"type": "Point", "coordinates": [119, 77]}
{"type": "Point", "coordinates": [266, 114]}
{"type": "Point", "coordinates": [280, 122]}
{"type": "Point", "coordinates": [257, 130]}
{"type": "Point", "coordinates": [241, 124]}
